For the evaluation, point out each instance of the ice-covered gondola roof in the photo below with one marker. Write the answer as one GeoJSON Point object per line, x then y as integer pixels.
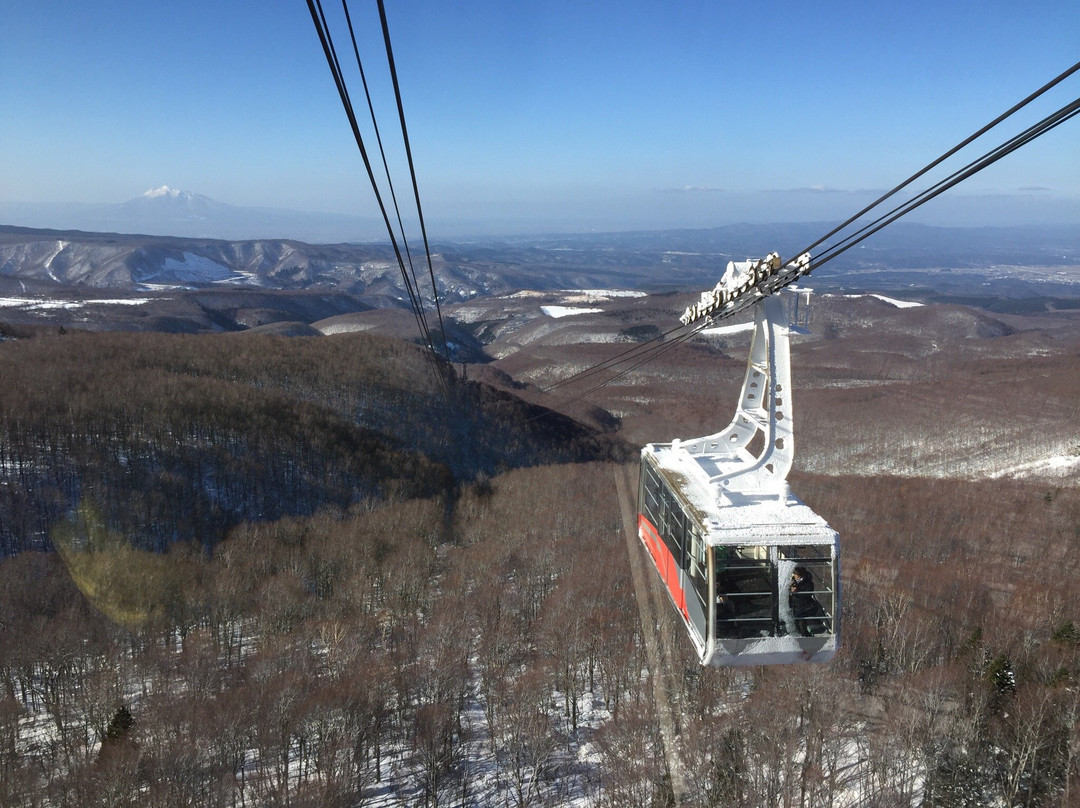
{"type": "Point", "coordinates": [767, 517]}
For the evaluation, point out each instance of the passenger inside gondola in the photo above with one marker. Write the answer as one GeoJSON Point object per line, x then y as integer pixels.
{"type": "Point", "coordinates": [726, 615]}
{"type": "Point", "coordinates": [745, 601]}
{"type": "Point", "coordinates": [810, 616]}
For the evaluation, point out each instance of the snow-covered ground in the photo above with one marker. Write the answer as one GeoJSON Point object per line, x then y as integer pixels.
{"type": "Point", "coordinates": [892, 301]}
{"type": "Point", "coordinates": [1062, 465]}
{"type": "Point", "coordinates": [571, 776]}
{"type": "Point", "coordinates": [566, 311]}
{"type": "Point", "coordinates": [345, 328]}
{"type": "Point", "coordinates": [194, 269]}
{"type": "Point", "coordinates": [597, 295]}
{"type": "Point", "coordinates": [34, 304]}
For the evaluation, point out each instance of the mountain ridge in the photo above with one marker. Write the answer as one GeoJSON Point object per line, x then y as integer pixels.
{"type": "Point", "coordinates": [173, 212]}
{"type": "Point", "coordinates": [634, 259]}
{"type": "Point", "coordinates": [46, 273]}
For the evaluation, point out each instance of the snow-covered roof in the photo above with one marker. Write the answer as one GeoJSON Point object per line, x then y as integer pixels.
{"type": "Point", "coordinates": [774, 516]}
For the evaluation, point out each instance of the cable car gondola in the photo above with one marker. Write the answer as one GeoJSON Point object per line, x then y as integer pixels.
{"type": "Point", "coordinates": [752, 570]}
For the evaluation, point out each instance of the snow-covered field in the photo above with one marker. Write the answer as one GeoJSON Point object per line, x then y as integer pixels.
{"type": "Point", "coordinates": [35, 304]}
{"type": "Point", "coordinates": [597, 295]}
{"type": "Point", "coordinates": [1065, 466]}
{"type": "Point", "coordinates": [892, 301]}
{"type": "Point", "coordinates": [566, 311]}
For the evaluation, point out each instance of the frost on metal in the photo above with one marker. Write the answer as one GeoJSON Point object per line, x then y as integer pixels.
{"type": "Point", "coordinates": [732, 488]}
{"type": "Point", "coordinates": [745, 283]}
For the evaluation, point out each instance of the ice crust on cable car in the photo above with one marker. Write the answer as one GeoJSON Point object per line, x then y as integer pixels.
{"type": "Point", "coordinates": [742, 548]}
{"type": "Point", "coordinates": [752, 570]}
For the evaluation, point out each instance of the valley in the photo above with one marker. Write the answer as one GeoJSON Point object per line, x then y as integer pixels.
{"type": "Point", "coordinates": [261, 550]}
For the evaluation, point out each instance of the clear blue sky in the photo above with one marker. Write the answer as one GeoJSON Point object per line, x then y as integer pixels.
{"type": "Point", "coordinates": [540, 115]}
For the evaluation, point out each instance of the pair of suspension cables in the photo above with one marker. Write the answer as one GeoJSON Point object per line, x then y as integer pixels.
{"type": "Point", "coordinates": [401, 250]}
{"type": "Point", "coordinates": [835, 242]}
{"type": "Point", "coordinates": [633, 358]}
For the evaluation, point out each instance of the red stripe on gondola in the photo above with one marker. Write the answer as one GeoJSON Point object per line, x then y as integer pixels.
{"type": "Point", "coordinates": [664, 561]}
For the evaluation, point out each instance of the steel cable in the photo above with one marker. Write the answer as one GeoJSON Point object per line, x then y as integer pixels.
{"type": "Point", "coordinates": [933, 164]}
{"type": "Point", "coordinates": [386, 165]}
{"type": "Point", "coordinates": [323, 29]}
{"type": "Point", "coordinates": [318, 17]}
{"type": "Point", "coordinates": [1048, 123]}
{"type": "Point", "coordinates": [412, 171]}
{"type": "Point", "coordinates": [643, 354]}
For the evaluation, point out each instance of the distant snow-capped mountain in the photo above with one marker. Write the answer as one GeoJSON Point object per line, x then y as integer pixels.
{"type": "Point", "coordinates": [174, 199]}
{"type": "Point", "coordinates": [167, 211]}
{"type": "Point", "coordinates": [170, 211]}
{"type": "Point", "coordinates": [165, 192]}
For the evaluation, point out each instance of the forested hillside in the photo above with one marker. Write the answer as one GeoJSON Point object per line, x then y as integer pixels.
{"type": "Point", "coordinates": [179, 438]}
{"type": "Point", "coordinates": [389, 655]}
{"type": "Point", "coordinates": [295, 572]}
